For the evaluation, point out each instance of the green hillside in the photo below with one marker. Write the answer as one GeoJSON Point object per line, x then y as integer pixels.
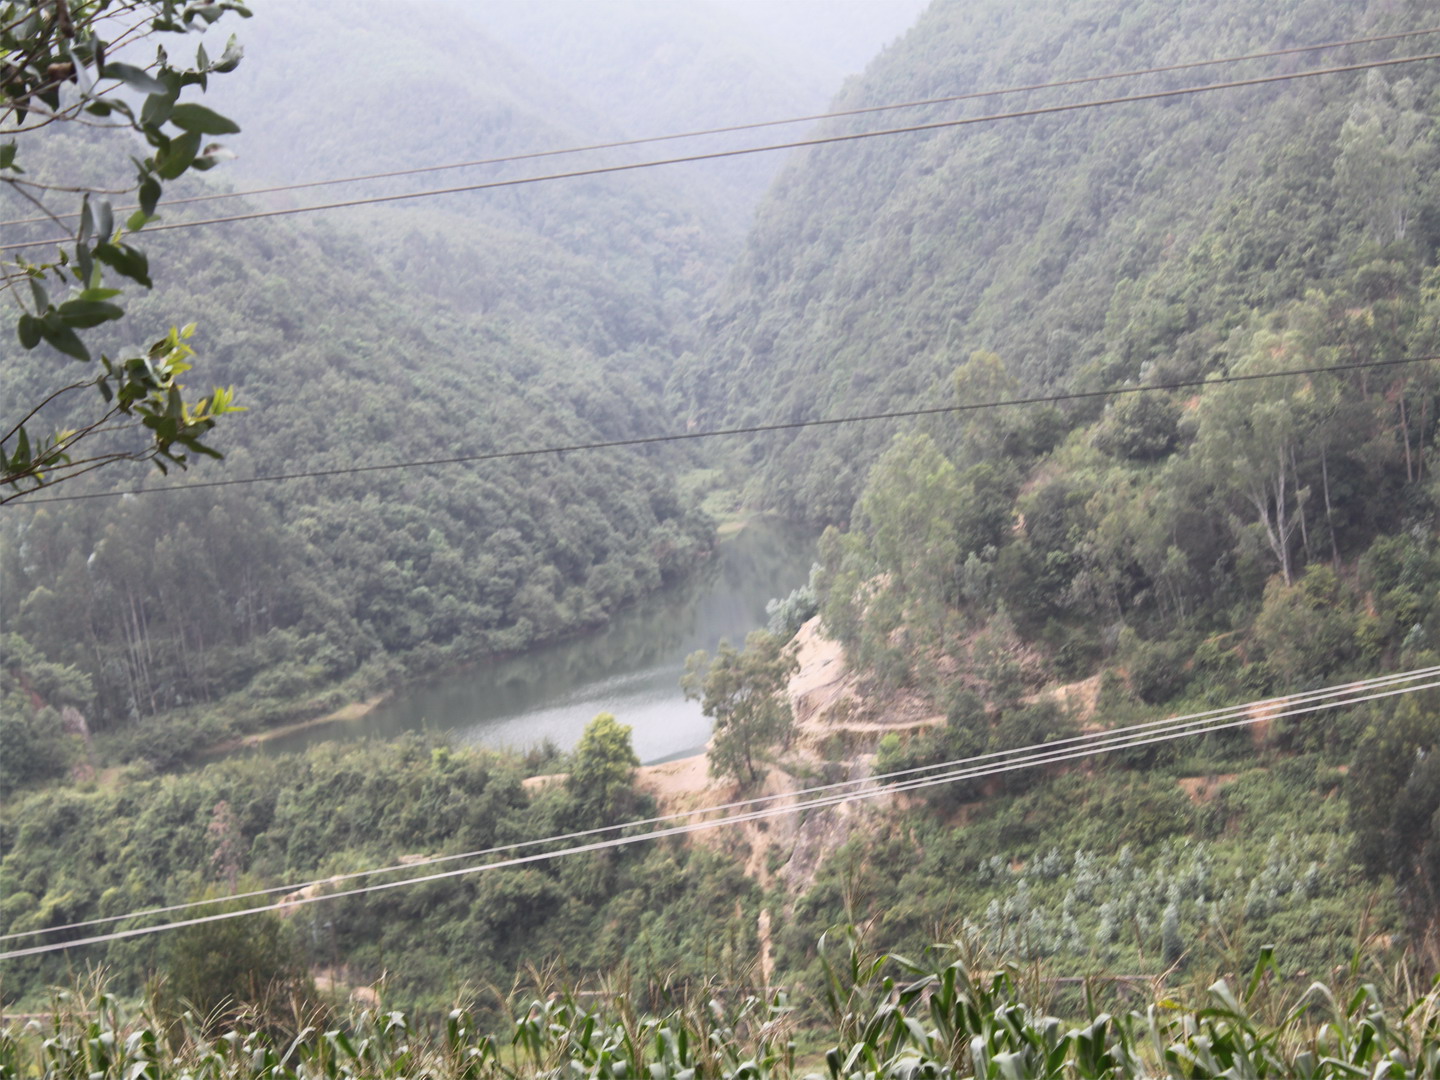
{"type": "Point", "coordinates": [1086, 249]}
{"type": "Point", "coordinates": [432, 332]}
{"type": "Point", "coordinates": [1166, 553]}
{"type": "Point", "coordinates": [289, 582]}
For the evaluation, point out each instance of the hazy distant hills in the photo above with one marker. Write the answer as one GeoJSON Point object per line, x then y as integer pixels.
{"type": "Point", "coordinates": [410, 84]}
{"type": "Point", "coordinates": [655, 68]}
{"type": "Point", "coordinates": [417, 84]}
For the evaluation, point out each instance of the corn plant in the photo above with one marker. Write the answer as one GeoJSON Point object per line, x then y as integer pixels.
{"type": "Point", "coordinates": [952, 1015]}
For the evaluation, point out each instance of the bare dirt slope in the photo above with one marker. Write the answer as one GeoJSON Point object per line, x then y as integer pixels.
{"type": "Point", "coordinates": [836, 731]}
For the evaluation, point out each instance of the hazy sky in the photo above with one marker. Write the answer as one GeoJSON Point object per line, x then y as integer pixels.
{"type": "Point", "coordinates": [847, 33]}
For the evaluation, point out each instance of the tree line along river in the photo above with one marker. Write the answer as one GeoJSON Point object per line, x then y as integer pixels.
{"type": "Point", "coordinates": [631, 667]}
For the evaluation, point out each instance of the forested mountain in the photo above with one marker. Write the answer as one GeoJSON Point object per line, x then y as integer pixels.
{"type": "Point", "coordinates": [517, 321]}
{"type": "Point", "coordinates": [463, 325]}
{"type": "Point", "coordinates": [1085, 248]}
{"type": "Point", "coordinates": [1238, 537]}
{"type": "Point", "coordinates": [471, 100]}
{"type": "Point", "coordinates": [1085, 251]}
{"type": "Point", "coordinates": [289, 583]}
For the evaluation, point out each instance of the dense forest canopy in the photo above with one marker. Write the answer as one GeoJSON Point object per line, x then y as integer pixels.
{"type": "Point", "coordinates": [345, 372]}
{"type": "Point", "coordinates": [442, 332]}
{"type": "Point", "coordinates": [1085, 249]}
{"type": "Point", "coordinates": [997, 579]}
{"type": "Point", "coordinates": [537, 315]}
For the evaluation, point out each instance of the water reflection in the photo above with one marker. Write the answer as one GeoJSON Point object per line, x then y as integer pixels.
{"type": "Point", "coordinates": [631, 668]}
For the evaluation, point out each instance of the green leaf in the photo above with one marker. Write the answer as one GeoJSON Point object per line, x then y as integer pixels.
{"type": "Point", "coordinates": [150, 191]}
{"type": "Point", "coordinates": [84, 314]}
{"type": "Point", "coordinates": [7, 156]}
{"type": "Point", "coordinates": [213, 155]}
{"type": "Point", "coordinates": [125, 260]}
{"type": "Point", "coordinates": [79, 69]}
{"type": "Point", "coordinates": [197, 118]}
{"type": "Point", "coordinates": [172, 161]}
{"type": "Point", "coordinates": [41, 297]}
{"type": "Point", "coordinates": [104, 220]}
{"type": "Point", "coordinates": [208, 12]}
{"type": "Point", "coordinates": [135, 78]}
{"type": "Point", "coordinates": [137, 221]}
{"type": "Point", "coordinates": [63, 339]}
{"type": "Point", "coordinates": [84, 264]}
{"type": "Point", "coordinates": [200, 448]}
{"type": "Point", "coordinates": [28, 330]}
{"type": "Point", "coordinates": [156, 109]}
{"type": "Point", "coordinates": [230, 58]}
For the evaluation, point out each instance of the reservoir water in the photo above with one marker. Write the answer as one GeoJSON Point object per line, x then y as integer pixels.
{"type": "Point", "coordinates": [631, 667]}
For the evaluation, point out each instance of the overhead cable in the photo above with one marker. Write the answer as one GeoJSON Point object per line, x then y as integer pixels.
{"type": "Point", "coordinates": [26, 498]}
{"type": "Point", "coordinates": [1021, 760]}
{"type": "Point", "coordinates": [716, 155]}
{"type": "Point", "coordinates": [755, 125]}
{"type": "Point", "coordinates": [1266, 705]}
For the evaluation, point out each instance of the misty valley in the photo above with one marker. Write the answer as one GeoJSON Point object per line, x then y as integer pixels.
{"type": "Point", "coordinates": [722, 539]}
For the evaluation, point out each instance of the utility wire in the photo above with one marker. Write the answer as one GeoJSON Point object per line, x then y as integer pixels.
{"type": "Point", "coordinates": [1043, 756]}
{"type": "Point", "coordinates": [1287, 700]}
{"type": "Point", "coordinates": [731, 128]}
{"type": "Point", "coordinates": [700, 826]}
{"type": "Point", "coordinates": [796, 144]}
{"type": "Point", "coordinates": [754, 429]}
{"type": "Point", "coordinates": [1267, 706]}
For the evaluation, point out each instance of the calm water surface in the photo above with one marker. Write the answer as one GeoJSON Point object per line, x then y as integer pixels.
{"type": "Point", "coordinates": [631, 668]}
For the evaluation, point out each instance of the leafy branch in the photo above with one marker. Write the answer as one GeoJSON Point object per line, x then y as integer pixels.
{"type": "Point", "coordinates": [148, 392]}
{"type": "Point", "coordinates": [56, 65]}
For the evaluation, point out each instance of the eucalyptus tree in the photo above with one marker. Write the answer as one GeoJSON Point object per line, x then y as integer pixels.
{"type": "Point", "coordinates": [744, 692]}
{"type": "Point", "coordinates": [1247, 437]}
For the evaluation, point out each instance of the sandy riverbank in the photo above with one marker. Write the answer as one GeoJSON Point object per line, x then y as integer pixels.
{"type": "Point", "coordinates": [354, 711]}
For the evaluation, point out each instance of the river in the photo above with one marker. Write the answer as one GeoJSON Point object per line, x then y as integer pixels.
{"type": "Point", "coordinates": [631, 667]}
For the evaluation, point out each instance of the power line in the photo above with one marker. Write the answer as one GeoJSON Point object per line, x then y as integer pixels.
{"type": "Point", "coordinates": [796, 144]}
{"type": "Point", "coordinates": [1268, 706]}
{"type": "Point", "coordinates": [754, 429]}
{"type": "Point", "coordinates": [1168, 722]}
{"type": "Point", "coordinates": [755, 125]}
{"type": "Point", "coordinates": [1021, 760]}
{"type": "Point", "coordinates": [1005, 767]}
